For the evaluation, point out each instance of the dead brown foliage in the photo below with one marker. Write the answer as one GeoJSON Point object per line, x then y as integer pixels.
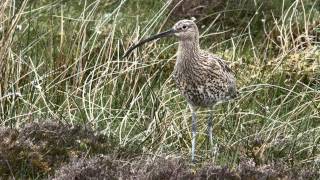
{"type": "Point", "coordinates": [100, 167]}
{"type": "Point", "coordinates": [41, 147]}
{"type": "Point", "coordinates": [76, 152]}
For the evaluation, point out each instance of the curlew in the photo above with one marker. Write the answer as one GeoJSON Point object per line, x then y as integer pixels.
{"type": "Point", "coordinates": [201, 77]}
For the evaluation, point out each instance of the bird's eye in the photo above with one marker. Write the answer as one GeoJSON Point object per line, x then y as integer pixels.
{"type": "Point", "coordinates": [184, 27]}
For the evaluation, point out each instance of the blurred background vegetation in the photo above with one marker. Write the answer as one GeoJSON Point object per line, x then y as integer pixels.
{"type": "Point", "coordinates": [61, 61]}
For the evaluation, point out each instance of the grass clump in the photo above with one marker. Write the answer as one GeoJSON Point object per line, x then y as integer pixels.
{"type": "Point", "coordinates": [39, 148]}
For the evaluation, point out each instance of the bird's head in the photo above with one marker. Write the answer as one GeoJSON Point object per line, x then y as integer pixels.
{"type": "Point", "coordinates": [185, 30]}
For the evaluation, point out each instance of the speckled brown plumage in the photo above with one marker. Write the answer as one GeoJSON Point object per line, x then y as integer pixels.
{"type": "Point", "coordinates": [201, 77]}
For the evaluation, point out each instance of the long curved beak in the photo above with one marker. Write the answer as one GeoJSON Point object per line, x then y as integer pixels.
{"type": "Point", "coordinates": [157, 36]}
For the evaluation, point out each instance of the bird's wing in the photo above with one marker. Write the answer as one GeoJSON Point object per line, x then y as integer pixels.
{"type": "Point", "coordinates": [232, 89]}
{"type": "Point", "coordinates": [224, 66]}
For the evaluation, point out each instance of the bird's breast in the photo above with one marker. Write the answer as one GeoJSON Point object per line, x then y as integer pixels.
{"type": "Point", "coordinates": [197, 92]}
{"type": "Point", "coordinates": [201, 89]}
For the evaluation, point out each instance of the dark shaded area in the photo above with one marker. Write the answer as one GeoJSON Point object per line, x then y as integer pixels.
{"type": "Point", "coordinates": [234, 13]}
{"type": "Point", "coordinates": [195, 8]}
{"type": "Point", "coordinates": [235, 16]}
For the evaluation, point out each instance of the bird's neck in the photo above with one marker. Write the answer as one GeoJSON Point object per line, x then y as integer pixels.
{"type": "Point", "coordinates": [188, 50]}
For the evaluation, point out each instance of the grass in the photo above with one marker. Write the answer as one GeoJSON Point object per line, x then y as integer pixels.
{"type": "Point", "coordinates": [62, 60]}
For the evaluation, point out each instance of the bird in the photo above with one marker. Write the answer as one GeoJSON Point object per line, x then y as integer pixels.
{"type": "Point", "coordinates": [202, 78]}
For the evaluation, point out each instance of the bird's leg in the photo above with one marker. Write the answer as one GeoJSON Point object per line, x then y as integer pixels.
{"type": "Point", "coordinates": [213, 148]}
{"type": "Point", "coordinates": [194, 133]}
{"type": "Point", "coordinates": [210, 130]}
